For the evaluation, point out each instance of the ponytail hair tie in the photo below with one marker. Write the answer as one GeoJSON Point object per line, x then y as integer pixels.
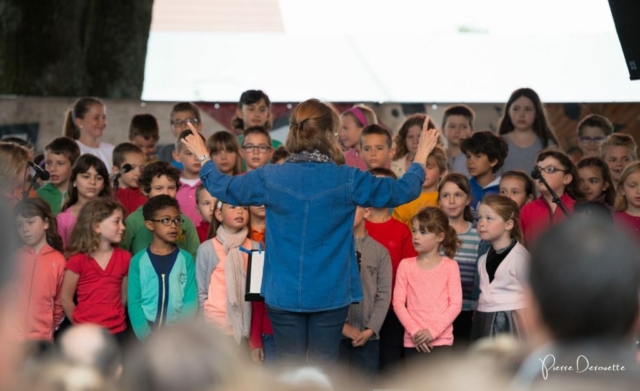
{"type": "Point", "coordinates": [301, 124]}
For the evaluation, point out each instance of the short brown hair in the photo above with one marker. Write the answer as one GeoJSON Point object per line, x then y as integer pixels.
{"type": "Point", "coordinates": [313, 126]}
{"type": "Point", "coordinates": [145, 126]}
{"type": "Point", "coordinates": [121, 151]}
{"type": "Point", "coordinates": [256, 130]}
{"type": "Point", "coordinates": [280, 153]}
{"type": "Point", "coordinates": [156, 170]}
{"type": "Point", "coordinates": [186, 106]}
{"type": "Point", "coordinates": [64, 146]}
{"type": "Point", "coordinates": [376, 129]}
{"type": "Point", "coordinates": [596, 121]}
{"type": "Point", "coordinates": [383, 171]}
{"type": "Point", "coordinates": [620, 140]}
{"type": "Point", "coordinates": [184, 134]}
{"type": "Point", "coordinates": [461, 110]}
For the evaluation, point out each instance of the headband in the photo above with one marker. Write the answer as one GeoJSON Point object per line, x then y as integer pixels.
{"type": "Point", "coordinates": [358, 114]}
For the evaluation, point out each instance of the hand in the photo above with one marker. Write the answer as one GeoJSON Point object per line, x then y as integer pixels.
{"type": "Point", "coordinates": [257, 355]}
{"type": "Point", "coordinates": [422, 337]}
{"type": "Point", "coordinates": [424, 348]}
{"type": "Point", "coordinates": [350, 331]}
{"type": "Point", "coordinates": [194, 142]}
{"type": "Point", "coordinates": [428, 141]}
{"type": "Point", "coordinates": [363, 338]}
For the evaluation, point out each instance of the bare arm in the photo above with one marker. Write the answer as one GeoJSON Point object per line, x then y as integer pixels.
{"type": "Point", "coordinates": [69, 285]}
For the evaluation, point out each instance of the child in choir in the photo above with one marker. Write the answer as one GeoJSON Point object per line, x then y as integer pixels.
{"type": "Point", "coordinates": [97, 268]}
{"type": "Point", "coordinates": [359, 348]}
{"type": "Point", "coordinates": [455, 196]}
{"type": "Point", "coordinates": [13, 171]}
{"type": "Point", "coordinates": [225, 152]}
{"type": "Point", "coordinates": [618, 151]}
{"type": "Point", "coordinates": [59, 157]}
{"type": "Point", "coordinates": [206, 203]}
{"type": "Point", "coordinates": [86, 123]}
{"type": "Point", "coordinates": [352, 122]}
{"type": "Point", "coordinates": [562, 176]}
{"type": "Point", "coordinates": [518, 186]}
{"type": "Point", "coordinates": [254, 109]}
{"type": "Point", "coordinates": [40, 271]}
{"type": "Point", "coordinates": [396, 238]}
{"type": "Point", "coordinates": [526, 129]}
{"type": "Point", "coordinates": [280, 155]}
{"type": "Point", "coordinates": [261, 340]}
{"type": "Point", "coordinates": [256, 147]}
{"type": "Point", "coordinates": [89, 180]}
{"type": "Point", "coordinates": [162, 281]}
{"type": "Point", "coordinates": [628, 200]}
{"type": "Point", "coordinates": [406, 141]}
{"type": "Point", "coordinates": [375, 144]}
{"type": "Point", "coordinates": [128, 162]}
{"type": "Point", "coordinates": [593, 130]}
{"type": "Point", "coordinates": [502, 269]}
{"type": "Point", "coordinates": [158, 178]}
{"type": "Point", "coordinates": [486, 153]}
{"type": "Point", "coordinates": [182, 114]}
{"type": "Point", "coordinates": [595, 181]}
{"type": "Point", "coordinates": [436, 168]}
{"type": "Point", "coordinates": [144, 133]}
{"type": "Point", "coordinates": [428, 294]}
{"type": "Point", "coordinates": [189, 179]}
{"type": "Point", "coordinates": [457, 124]}
{"type": "Point", "coordinates": [221, 272]}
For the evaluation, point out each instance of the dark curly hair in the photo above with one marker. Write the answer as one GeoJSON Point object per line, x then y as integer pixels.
{"type": "Point", "coordinates": [488, 143]}
{"type": "Point", "coordinates": [157, 203]}
{"type": "Point", "coordinates": [156, 170]}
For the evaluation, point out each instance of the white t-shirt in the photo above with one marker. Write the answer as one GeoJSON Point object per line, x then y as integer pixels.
{"type": "Point", "coordinates": [104, 152]}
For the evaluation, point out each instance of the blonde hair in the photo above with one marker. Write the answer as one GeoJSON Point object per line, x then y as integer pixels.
{"type": "Point", "coordinates": [620, 140]}
{"type": "Point", "coordinates": [80, 108]}
{"type": "Point", "coordinates": [507, 209]}
{"type": "Point", "coordinates": [13, 161]}
{"type": "Point", "coordinates": [84, 239]}
{"type": "Point", "coordinates": [621, 203]}
{"type": "Point", "coordinates": [439, 157]}
{"type": "Point", "coordinates": [367, 112]}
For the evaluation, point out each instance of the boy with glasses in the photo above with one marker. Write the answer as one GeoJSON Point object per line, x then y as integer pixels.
{"type": "Point", "coordinates": [256, 147]}
{"type": "Point", "coordinates": [592, 131]}
{"type": "Point", "coordinates": [162, 279]}
{"type": "Point", "coordinates": [182, 114]}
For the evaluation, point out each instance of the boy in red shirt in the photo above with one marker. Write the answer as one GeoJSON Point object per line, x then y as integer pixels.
{"type": "Point", "coordinates": [128, 162]}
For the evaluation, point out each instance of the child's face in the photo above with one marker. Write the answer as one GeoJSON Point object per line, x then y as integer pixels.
{"type": "Point", "coordinates": [453, 200]}
{"type": "Point", "coordinates": [206, 204]}
{"type": "Point", "coordinates": [189, 161]}
{"type": "Point", "coordinates": [257, 212]}
{"type": "Point", "coordinates": [349, 133]}
{"type": "Point", "coordinates": [432, 174]}
{"type": "Point", "coordinates": [478, 164]}
{"type": "Point", "coordinates": [591, 140]}
{"type": "Point", "coordinates": [514, 188]}
{"type": "Point", "coordinates": [130, 179]}
{"type": "Point", "coordinates": [617, 158]}
{"type": "Point", "coordinates": [167, 224]}
{"type": "Point", "coordinates": [179, 121]}
{"type": "Point", "coordinates": [112, 228]}
{"type": "Point", "coordinates": [456, 128]}
{"type": "Point", "coordinates": [631, 190]}
{"type": "Point", "coordinates": [413, 139]}
{"type": "Point", "coordinates": [148, 147]}
{"type": "Point", "coordinates": [89, 184]}
{"type": "Point", "coordinates": [94, 122]}
{"type": "Point", "coordinates": [163, 185]}
{"type": "Point", "coordinates": [557, 180]}
{"type": "Point", "coordinates": [59, 167]}
{"type": "Point", "coordinates": [255, 114]}
{"type": "Point", "coordinates": [423, 240]}
{"type": "Point", "coordinates": [522, 113]}
{"type": "Point", "coordinates": [491, 227]}
{"type": "Point", "coordinates": [591, 183]}
{"type": "Point", "coordinates": [256, 158]}
{"type": "Point", "coordinates": [233, 218]}
{"type": "Point", "coordinates": [225, 160]}
{"type": "Point", "coordinates": [32, 230]}
{"type": "Point", "coordinates": [375, 151]}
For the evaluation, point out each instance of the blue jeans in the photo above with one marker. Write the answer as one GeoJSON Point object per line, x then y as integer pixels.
{"type": "Point", "coordinates": [314, 335]}
{"type": "Point", "coordinates": [363, 358]}
{"type": "Point", "coordinates": [269, 346]}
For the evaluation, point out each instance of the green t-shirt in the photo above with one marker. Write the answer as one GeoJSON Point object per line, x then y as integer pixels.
{"type": "Point", "coordinates": [52, 196]}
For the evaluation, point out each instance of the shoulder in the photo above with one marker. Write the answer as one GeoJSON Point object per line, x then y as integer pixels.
{"type": "Point", "coordinates": [407, 263]}
{"type": "Point", "coordinates": [106, 147]}
{"type": "Point", "coordinates": [378, 249]}
{"type": "Point", "coordinates": [75, 262]}
{"type": "Point", "coordinates": [122, 254]}
{"type": "Point", "coordinates": [186, 256]}
{"type": "Point", "coordinates": [139, 256]}
{"type": "Point", "coordinates": [520, 252]}
{"type": "Point", "coordinates": [450, 264]}
{"type": "Point", "coordinates": [186, 222]}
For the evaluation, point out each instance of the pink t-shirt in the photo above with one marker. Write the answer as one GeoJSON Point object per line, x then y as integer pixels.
{"type": "Point", "coordinates": [428, 299]}
{"type": "Point", "coordinates": [186, 197]}
{"type": "Point", "coordinates": [66, 221]}
{"type": "Point", "coordinates": [354, 159]}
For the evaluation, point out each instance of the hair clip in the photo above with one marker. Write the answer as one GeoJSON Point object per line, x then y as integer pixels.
{"type": "Point", "coordinates": [219, 205]}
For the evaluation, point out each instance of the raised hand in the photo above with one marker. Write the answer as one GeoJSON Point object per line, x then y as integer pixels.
{"type": "Point", "coordinates": [428, 141]}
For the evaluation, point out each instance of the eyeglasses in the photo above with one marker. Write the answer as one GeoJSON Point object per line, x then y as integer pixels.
{"type": "Point", "coordinates": [591, 140]}
{"type": "Point", "coordinates": [168, 220]}
{"type": "Point", "coordinates": [176, 123]}
{"type": "Point", "coordinates": [261, 148]}
{"type": "Point", "coordinates": [551, 169]}
{"type": "Point", "coordinates": [359, 258]}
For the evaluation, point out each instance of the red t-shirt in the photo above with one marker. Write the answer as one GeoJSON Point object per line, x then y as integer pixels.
{"type": "Point", "coordinates": [629, 223]}
{"type": "Point", "coordinates": [203, 231]}
{"type": "Point", "coordinates": [99, 291]}
{"type": "Point", "coordinates": [131, 199]}
{"type": "Point", "coordinates": [396, 238]}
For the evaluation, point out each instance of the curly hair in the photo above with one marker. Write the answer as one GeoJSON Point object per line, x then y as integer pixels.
{"type": "Point", "coordinates": [156, 170]}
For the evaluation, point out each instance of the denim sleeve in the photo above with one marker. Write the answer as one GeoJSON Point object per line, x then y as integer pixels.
{"type": "Point", "coordinates": [246, 190]}
{"type": "Point", "coordinates": [368, 190]}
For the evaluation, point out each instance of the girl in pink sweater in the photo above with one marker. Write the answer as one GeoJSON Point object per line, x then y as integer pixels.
{"type": "Point", "coordinates": [428, 294]}
{"type": "Point", "coordinates": [502, 269]}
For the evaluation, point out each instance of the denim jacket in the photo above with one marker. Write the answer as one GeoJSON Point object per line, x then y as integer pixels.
{"type": "Point", "coordinates": [310, 264]}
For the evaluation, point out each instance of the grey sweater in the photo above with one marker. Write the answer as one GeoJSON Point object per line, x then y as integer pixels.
{"type": "Point", "coordinates": [376, 275]}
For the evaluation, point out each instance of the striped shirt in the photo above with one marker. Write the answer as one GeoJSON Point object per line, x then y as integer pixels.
{"type": "Point", "coordinates": [467, 258]}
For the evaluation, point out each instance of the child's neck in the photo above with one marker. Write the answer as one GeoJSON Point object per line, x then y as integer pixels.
{"type": "Point", "coordinates": [105, 247]}
{"type": "Point", "coordinates": [75, 208]}
{"type": "Point", "coordinates": [189, 175]}
{"type": "Point", "coordinates": [161, 247]}
{"type": "Point", "coordinates": [379, 215]}
{"type": "Point", "coordinates": [258, 223]}
{"type": "Point", "coordinates": [459, 223]}
{"type": "Point", "coordinates": [632, 210]}
{"type": "Point", "coordinates": [429, 259]}
{"type": "Point", "coordinates": [62, 187]}
{"type": "Point", "coordinates": [486, 178]}
{"type": "Point", "coordinates": [88, 140]}
{"type": "Point", "coordinates": [453, 150]}
{"type": "Point", "coordinates": [38, 246]}
{"type": "Point", "coordinates": [502, 242]}
{"type": "Point", "coordinates": [431, 188]}
{"type": "Point", "coordinates": [359, 231]}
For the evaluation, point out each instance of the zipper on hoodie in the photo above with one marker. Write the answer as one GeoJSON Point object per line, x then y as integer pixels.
{"type": "Point", "coordinates": [164, 295]}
